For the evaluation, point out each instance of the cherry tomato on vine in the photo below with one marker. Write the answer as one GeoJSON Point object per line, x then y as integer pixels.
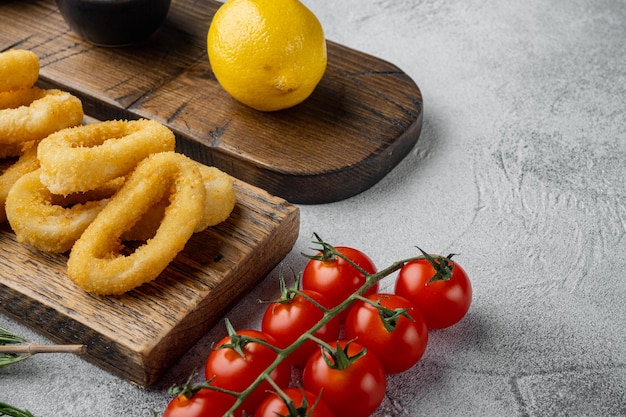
{"type": "Point", "coordinates": [230, 370]}
{"type": "Point", "coordinates": [334, 277]}
{"type": "Point", "coordinates": [203, 403]}
{"type": "Point", "coordinates": [443, 292]}
{"type": "Point", "coordinates": [391, 327]}
{"type": "Point", "coordinates": [291, 316]}
{"type": "Point", "coordinates": [274, 405]}
{"type": "Point", "coordinates": [350, 379]}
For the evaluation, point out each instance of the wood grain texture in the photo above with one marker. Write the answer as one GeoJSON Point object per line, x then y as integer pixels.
{"type": "Point", "coordinates": [140, 334]}
{"type": "Point", "coordinates": [360, 122]}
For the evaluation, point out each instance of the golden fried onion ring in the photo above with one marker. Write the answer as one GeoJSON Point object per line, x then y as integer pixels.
{"type": "Point", "coordinates": [52, 223]}
{"type": "Point", "coordinates": [95, 262]}
{"type": "Point", "coordinates": [105, 150]}
{"type": "Point", "coordinates": [48, 112]}
{"type": "Point", "coordinates": [18, 69]}
{"type": "Point", "coordinates": [26, 163]}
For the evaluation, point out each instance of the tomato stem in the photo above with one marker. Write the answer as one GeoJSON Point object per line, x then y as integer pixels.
{"type": "Point", "coordinates": [312, 301]}
{"type": "Point", "coordinates": [188, 390]}
{"type": "Point", "coordinates": [322, 343]}
{"type": "Point", "coordinates": [443, 266]}
{"type": "Point", "coordinates": [328, 253]}
{"type": "Point", "coordinates": [238, 342]}
{"type": "Point", "coordinates": [287, 294]}
{"type": "Point", "coordinates": [388, 316]}
{"type": "Point", "coordinates": [291, 407]}
{"type": "Point", "coordinates": [338, 358]}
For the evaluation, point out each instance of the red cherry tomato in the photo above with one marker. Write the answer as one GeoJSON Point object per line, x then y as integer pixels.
{"type": "Point", "coordinates": [443, 302]}
{"type": "Point", "coordinates": [235, 372]}
{"type": "Point", "coordinates": [398, 347]}
{"type": "Point", "coordinates": [274, 405]}
{"type": "Point", "coordinates": [287, 320]}
{"type": "Point", "coordinates": [203, 403]}
{"type": "Point", "coordinates": [335, 278]}
{"type": "Point", "coordinates": [355, 390]}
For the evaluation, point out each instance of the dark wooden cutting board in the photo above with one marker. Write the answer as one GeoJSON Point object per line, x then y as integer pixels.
{"type": "Point", "coordinates": [361, 121]}
{"type": "Point", "coordinates": [140, 334]}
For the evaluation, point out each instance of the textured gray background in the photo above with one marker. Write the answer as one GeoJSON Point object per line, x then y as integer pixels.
{"type": "Point", "coordinates": [520, 169]}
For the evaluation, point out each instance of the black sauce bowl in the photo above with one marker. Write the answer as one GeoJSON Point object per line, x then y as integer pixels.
{"type": "Point", "coordinates": [114, 22]}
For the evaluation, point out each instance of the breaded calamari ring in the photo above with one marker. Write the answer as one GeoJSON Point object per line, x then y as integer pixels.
{"type": "Point", "coordinates": [95, 262]}
{"type": "Point", "coordinates": [220, 197]}
{"type": "Point", "coordinates": [106, 191]}
{"type": "Point", "coordinates": [47, 222]}
{"type": "Point", "coordinates": [50, 111]}
{"type": "Point", "coordinates": [21, 97]}
{"type": "Point", "coordinates": [219, 203]}
{"type": "Point", "coordinates": [105, 150]}
{"type": "Point", "coordinates": [26, 163]}
{"type": "Point", "coordinates": [12, 100]}
{"type": "Point", "coordinates": [18, 69]}
{"type": "Point", "coordinates": [13, 150]}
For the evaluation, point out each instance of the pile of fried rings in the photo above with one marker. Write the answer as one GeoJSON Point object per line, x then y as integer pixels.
{"type": "Point", "coordinates": [86, 189]}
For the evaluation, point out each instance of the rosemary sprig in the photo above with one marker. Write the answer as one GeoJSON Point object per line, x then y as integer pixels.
{"type": "Point", "coordinates": [15, 349]}
{"type": "Point", "coordinates": [6, 358]}
{"type": "Point", "coordinates": [9, 410]}
{"type": "Point", "coordinates": [6, 337]}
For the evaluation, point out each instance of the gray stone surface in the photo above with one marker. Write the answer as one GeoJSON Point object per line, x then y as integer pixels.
{"type": "Point", "coordinates": [520, 169]}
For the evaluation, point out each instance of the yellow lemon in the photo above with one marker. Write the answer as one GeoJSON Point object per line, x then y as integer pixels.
{"type": "Point", "coordinates": [268, 54]}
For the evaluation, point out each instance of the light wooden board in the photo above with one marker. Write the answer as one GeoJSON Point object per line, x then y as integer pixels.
{"type": "Point", "coordinates": [360, 122]}
{"type": "Point", "coordinates": [140, 334]}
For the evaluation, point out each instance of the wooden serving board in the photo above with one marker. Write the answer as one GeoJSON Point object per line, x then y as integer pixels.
{"type": "Point", "coordinates": [140, 334]}
{"type": "Point", "coordinates": [361, 121]}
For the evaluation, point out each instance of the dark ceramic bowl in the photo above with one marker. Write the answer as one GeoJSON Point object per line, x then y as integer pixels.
{"type": "Point", "coordinates": [114, 22]}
